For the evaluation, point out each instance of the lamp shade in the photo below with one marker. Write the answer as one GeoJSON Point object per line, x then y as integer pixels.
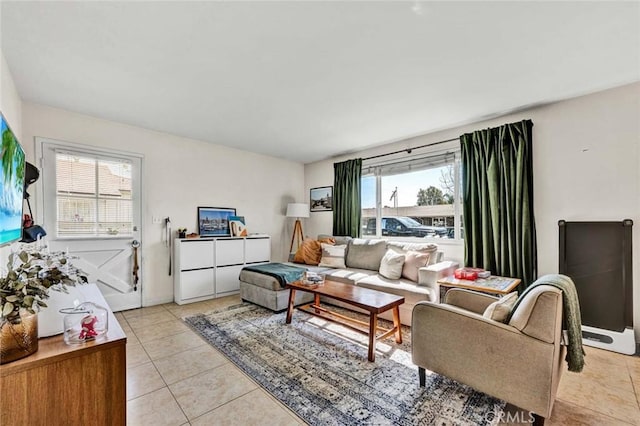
{"type": "Point", "coordinates": [297, 210]}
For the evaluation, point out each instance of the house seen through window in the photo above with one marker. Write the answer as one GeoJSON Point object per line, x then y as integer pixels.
{"type": "Point", "coordinates": [93, 196]}
{"type": "Point", "coordinates": [417, 198]}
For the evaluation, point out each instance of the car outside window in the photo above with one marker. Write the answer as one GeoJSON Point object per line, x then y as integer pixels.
{"type": "Point", "coordinates": [422, 200]}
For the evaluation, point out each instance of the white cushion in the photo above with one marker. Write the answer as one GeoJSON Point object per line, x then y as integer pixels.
{"type": "Point", "coordinates": [333, 256]}
{"type": "Point", "coordinates": [411, 292]}
{"type": "Point", "coordinates": [429, 248]}
{"type": "Point", "coordinates": [413, 261]}
{"type": "Point", "coordinates": [348, 276]}
{"type": "Point", "coordinates": [501, 308]}
{"type": "Point", "coordinates": [391, 265]}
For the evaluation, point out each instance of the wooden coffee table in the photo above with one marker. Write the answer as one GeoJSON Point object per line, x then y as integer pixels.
{"type": "Point", "coordinates": [373, 301]}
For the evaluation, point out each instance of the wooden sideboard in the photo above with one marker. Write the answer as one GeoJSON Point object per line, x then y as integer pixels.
{"type": "Point", "coordinates": [61, 384]}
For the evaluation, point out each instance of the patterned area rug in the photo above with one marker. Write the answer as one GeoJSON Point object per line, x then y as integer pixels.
{"type": "Point", "coordinates": [319, 369]}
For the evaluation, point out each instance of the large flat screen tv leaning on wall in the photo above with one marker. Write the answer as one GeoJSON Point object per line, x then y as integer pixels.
{"type": "Point", "coordinates": [598, 257]}
{"type": "Point", "coordinates": [11, 185]}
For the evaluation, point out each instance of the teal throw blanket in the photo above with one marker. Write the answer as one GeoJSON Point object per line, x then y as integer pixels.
{"type": "Point", "coordinates": [283, 273]}
{"type": "Point", "coordinates": [571, 315]}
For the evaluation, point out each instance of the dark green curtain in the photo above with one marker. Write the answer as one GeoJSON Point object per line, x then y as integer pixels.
{"type": "Point", "coordinates": [346, 197]}
{"type": "Point", "coordinates": [497, 179]}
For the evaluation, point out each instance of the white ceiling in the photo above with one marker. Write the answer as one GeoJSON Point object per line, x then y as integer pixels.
{"type": "Point", "coordinates": [308, 80]}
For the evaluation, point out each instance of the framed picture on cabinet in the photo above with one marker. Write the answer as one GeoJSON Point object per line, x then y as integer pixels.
{"type": "Point", "coordinates": [214, 221]}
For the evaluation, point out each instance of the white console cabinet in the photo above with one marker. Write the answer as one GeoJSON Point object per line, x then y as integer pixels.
{"type": "Point", "coordinates": [206, 268]}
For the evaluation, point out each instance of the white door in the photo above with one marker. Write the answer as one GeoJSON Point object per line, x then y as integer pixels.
{"type": "Point", "coordinates": [91, 208]}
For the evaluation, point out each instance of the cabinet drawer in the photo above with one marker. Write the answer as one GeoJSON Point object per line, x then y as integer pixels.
{"type": "Point", "coordinates": [227, 279]}
{"type": "Point", "coordinates": [257, 250]}
{"type": "Point", "coordinates": [198, 283]}
{"type": "Point", "coordinates": [196, 255]}
{"type": "Point", "coordinates": [229, 252]}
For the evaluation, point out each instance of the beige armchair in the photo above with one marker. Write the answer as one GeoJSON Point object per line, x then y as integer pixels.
{"type": "Point", "coordinates": [519, 362]}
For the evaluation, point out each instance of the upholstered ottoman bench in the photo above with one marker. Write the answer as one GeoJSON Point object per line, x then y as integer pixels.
{"type": "Point", "coordinates": [267, 291]}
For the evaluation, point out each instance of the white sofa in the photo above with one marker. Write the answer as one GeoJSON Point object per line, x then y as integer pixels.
{"type": "Point", "coordinates": [362, 259]}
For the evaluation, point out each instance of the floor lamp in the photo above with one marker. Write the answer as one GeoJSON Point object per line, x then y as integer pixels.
{"type": "Point", "coordinates": [297, 210]}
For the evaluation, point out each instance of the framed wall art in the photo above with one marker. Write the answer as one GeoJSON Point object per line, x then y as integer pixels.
{"type": "Point", "coordinates": [321, 199]}
{"type": "Point", "coordinates": [214, 221]}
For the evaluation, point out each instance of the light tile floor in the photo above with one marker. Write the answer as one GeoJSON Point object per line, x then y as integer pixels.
{"type": "Point", "coordinates": [176, 378]}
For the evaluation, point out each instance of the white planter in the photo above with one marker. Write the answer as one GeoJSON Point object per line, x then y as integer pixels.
{"type": "Point", "coordinates": [50, 321]}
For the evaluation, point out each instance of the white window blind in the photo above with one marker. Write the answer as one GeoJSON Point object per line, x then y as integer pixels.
{"type": "Point", "coordinates": [93, 195]}
{"type": "Point", "coordinates": [408, 164]}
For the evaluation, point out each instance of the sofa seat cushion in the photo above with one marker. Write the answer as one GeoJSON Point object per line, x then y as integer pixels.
{"type": "Point", "coordinates": [348, 276]}
{"type": "Point", "coordinates": [411, 292]}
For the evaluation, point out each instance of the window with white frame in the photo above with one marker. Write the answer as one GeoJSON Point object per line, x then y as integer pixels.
{"type": "Point", "coordinates": [417, 197]}
{"type": "Point", "coordinates": [94, 196]}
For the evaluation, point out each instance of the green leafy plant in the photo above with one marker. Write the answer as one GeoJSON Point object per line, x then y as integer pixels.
{"type": "Point", "coordinates": [30, 275]}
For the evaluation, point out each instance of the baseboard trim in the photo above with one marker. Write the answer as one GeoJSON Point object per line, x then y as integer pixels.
{"type": "Point", "coordinates": [624, 342]}
{"type": "Point", "coordinates": [156, 301]}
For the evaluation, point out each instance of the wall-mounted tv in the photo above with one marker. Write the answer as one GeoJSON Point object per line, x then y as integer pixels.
{"type": "Point", "coordinates": [11, 185]}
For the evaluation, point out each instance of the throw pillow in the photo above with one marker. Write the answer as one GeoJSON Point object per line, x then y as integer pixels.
{"type": "Point", "coordinates": [501, 308]}
{"type": "Point", "coordinates": [429, 248]}
{"type": "Point", "coordinates": [366, 254]}
{"type": "Point", "coordinates": [307, 248]}
{"type": "Point", "coordinates": [310, 252]}
{"type": "Point", "coordinates": [332, 256]}
{"type": "Point", "coordinates": [391, 265]}
{"type": "Point", "coordinates": [413, 261]}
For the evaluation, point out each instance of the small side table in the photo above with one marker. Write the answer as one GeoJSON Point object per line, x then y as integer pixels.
{"type": "Point", "coordinates": [494, 284]}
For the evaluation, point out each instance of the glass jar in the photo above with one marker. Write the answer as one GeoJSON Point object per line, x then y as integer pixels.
{"type": "Point", "coordinates": [84, 323]}
{"type": "Point", "coordinates": [312, 278]}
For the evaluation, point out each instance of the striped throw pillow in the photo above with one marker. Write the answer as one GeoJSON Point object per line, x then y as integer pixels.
{"type": "Point", "coordinates": [333, 256]}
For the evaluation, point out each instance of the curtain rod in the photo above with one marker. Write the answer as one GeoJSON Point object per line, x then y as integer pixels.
{"type": "Point", "coordinates": [408, 150]}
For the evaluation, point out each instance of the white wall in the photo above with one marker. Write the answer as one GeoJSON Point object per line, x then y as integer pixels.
{"type": "Point", "coordinates": [586, 155]}
{"type": "Point", "coordinates": [11, 107]}
{"type": "Point", "coordinates": [10, 102]}
{"type": "Point", "coordinates": [180, 174]}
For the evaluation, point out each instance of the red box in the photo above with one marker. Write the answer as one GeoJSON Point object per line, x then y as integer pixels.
{"type": "Point", "coordinates": [465, 274]}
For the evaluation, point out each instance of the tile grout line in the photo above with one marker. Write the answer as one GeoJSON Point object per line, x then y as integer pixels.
{"type": "Point", "coordinates": [161, 337]}
{"type": "Point", "coordinates": [258, 388]}
{"type": "Point", "coordinates": [166, 385]}
{"type": "Point", "coordinates": [222, 405]}
{"type": "Point", "coordinates": [202, 372]}
{"type": "Point", "coordinates": [171, 393]}
{"type": "Point", "coordinates": [634, 386]}
{"type": "Point", "coordinates": [193, 375]}
{"type": "Point", "coordinates": [150, 361]}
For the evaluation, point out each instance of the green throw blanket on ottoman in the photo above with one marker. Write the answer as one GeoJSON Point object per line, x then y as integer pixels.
{"type": "Point", "coordinates": [571, 314]}
{"type": "Point", "coordinates": [283, 273]}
